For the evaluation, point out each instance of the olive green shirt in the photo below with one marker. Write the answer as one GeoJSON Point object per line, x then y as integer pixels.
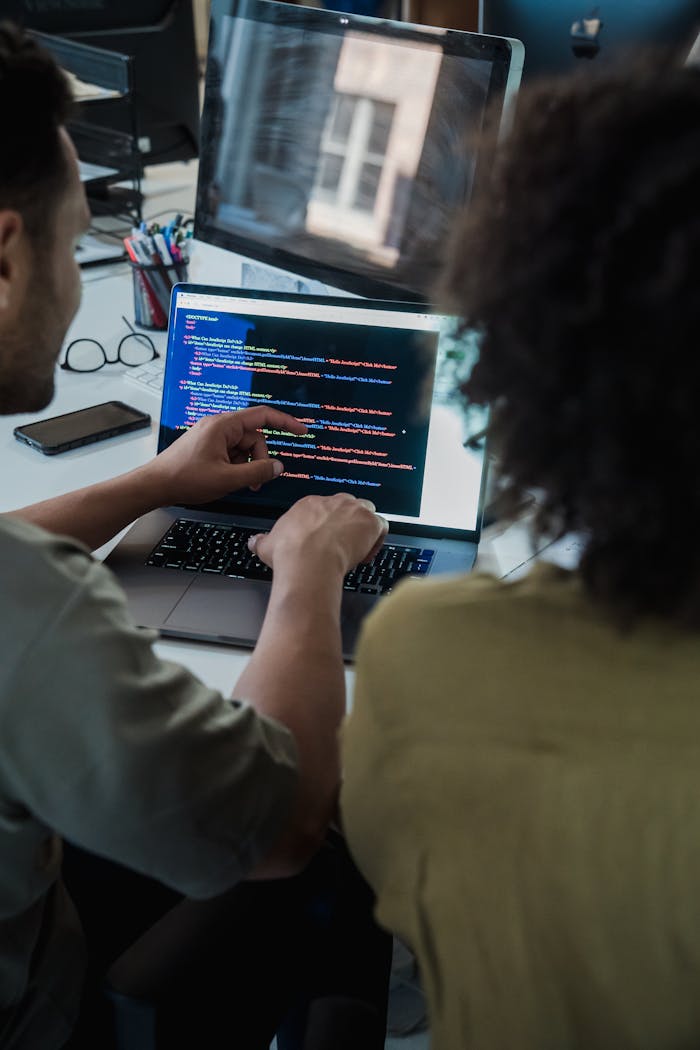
{"type": "Point", "coordinates": [123, 754]}
{"type": "Point", "coordinates": [522, 790]}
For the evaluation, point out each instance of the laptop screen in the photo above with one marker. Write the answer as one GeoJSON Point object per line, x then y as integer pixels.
{"type": "Point", "coordinates": [374, 383]}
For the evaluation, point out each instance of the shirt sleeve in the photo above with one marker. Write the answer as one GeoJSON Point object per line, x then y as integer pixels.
{"type": "Point", "coordinates": [134, 758]}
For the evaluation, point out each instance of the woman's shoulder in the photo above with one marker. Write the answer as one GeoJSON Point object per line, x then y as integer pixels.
{"type": "Point", "coordinates": [468, 593]}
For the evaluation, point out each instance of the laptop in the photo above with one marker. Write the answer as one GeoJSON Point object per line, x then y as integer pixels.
{"type": "Point", "coordinates": [374, 382]}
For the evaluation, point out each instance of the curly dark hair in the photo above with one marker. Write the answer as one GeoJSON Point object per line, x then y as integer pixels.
{"type": "Point", "coordinates": [34, 100]}
{"type": "Point", "coordinates": [579, 266]}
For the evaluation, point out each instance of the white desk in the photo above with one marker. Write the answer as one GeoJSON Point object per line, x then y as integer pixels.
{"type": "Point", "coordinates": [30, 476]}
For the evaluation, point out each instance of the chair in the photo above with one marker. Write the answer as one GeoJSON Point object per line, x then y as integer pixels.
{"type": "Point", "coordinates": [147, 990]}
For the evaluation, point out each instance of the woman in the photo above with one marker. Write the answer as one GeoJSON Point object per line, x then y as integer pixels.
{"type": "Point", "coordinates": [523, 760]}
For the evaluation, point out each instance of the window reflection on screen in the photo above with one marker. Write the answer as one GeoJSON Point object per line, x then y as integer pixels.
{"type": "Point", "coordinates": [350, 149]}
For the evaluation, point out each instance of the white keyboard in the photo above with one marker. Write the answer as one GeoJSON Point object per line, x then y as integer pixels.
{"type": "Point", "coordinates": [148, 377]}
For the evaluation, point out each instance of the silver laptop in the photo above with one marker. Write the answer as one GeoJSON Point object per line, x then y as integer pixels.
{"type": "Point", "coordinates": [374, 382]}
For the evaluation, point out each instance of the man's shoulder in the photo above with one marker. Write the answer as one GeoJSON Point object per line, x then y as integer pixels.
{"type": "Point", "coordinates": [32, 556]}
{"type": "Point", "coordinates": [42, 574]}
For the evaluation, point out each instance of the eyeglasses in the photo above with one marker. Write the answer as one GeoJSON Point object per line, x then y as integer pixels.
{"type": "Point", "coordinates": [88, 355]}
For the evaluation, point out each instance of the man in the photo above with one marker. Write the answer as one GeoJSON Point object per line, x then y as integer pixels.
{"type": "Point", "coordinates": [522, 760]}
{"type": "Point", "coordinates": [101, 742]}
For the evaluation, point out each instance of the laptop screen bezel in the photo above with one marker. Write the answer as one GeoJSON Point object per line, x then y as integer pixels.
{"type": "Point", "coordinates": [251, 510]}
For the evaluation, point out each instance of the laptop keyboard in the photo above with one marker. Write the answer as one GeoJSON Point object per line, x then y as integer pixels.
{"type": "Point", "coordinates": [205, 547]}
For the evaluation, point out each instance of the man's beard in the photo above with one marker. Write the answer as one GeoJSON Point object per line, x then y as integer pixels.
{"type": "Point", "coordinates": [23, 392]}
{"type": "Point", "coordinates": [28, 360]}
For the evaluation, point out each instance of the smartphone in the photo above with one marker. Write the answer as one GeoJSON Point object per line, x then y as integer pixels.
{"type": "Point", "coordinates": [74, 429]}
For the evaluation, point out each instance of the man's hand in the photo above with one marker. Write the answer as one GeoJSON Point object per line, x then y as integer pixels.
{"type": "Point", "coordinates": [218, 455]}
{"type": "Point", "coordinates": [336, 532]}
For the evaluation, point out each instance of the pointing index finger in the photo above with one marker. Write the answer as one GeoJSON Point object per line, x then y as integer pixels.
{"type": "Point", "coordinates": [262, 416]}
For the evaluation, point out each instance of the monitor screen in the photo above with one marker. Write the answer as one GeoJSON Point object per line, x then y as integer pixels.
{"type": "Point", "coordinates": [545, 28]}
{"type": "Point", "coordinates": [338, 146]}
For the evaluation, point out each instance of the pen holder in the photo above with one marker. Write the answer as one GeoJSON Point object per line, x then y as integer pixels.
{"type": "Point", "coordinates": [152, 285]}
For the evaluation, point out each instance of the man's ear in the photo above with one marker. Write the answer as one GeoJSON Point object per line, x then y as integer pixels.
{"type": "Point", "coordinates": [12, 254]}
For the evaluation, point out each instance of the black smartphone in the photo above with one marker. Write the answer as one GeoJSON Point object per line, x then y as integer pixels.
{"type": "Point", "coordinates": [74, 429]}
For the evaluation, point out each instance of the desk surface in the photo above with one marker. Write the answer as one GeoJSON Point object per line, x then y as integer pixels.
{"type": "Point", "coordinates": [30, 476]}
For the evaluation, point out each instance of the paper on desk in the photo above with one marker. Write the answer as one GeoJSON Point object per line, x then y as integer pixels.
{"type": "Point", "coordinates": [83, 92]}
{"type": "Point", "coordinates": [508, 551]}
{"type": "Point", "coordinates": [565, 552]}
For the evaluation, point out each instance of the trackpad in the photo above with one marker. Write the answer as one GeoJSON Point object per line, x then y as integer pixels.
{"type": "Point", "coordinates": [216, 607]}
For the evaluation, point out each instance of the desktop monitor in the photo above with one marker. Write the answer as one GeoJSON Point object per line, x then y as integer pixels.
{"type": "Point", "coordinates": [159, 35]}
{"type": "Point", "coordinates": [545, 28]}
{"type": "Point", "coordinates": [339, 146]}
